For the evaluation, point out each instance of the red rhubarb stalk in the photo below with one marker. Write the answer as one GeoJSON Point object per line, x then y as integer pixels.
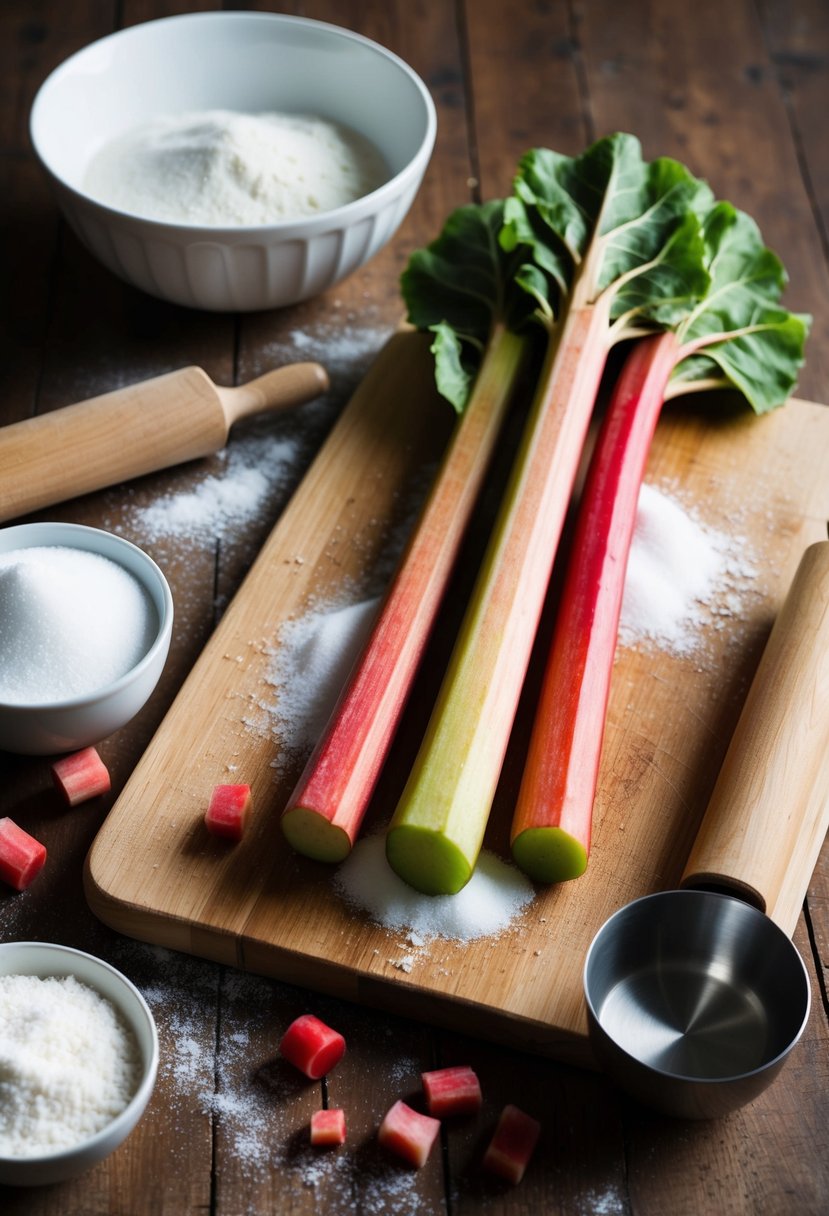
{"type": "Point", "coordinates": [452, 1091]}
{"type": "Point", "coordinates": [312, 1046]}
{"type": "Point", "coordinates": [552, 823]}
{"type": "Point", "coordinates": [21, 856]}
{"type": "Point", "coordinates": [228, 811]}
{"type": "Point", "coordinates": [735, 336]}
{"type": "Point", "coordinates": [325, 811]}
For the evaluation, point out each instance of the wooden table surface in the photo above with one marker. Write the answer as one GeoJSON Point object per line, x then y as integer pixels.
{"type": "Point", "coordinates": [738, 91]}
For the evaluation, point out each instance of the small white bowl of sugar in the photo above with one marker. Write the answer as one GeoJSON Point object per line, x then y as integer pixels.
{"type": "Point", "coordinates": [78, 1061]}
{"type": "Point", "coordinates": [85, 624]}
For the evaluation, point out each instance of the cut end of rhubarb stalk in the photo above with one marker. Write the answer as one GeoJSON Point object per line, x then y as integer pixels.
{"type": "Point", "coordinates": [427, 860]}
{"type": "Point", "coordinates": [312, 835]}
{"type": "Point", "coordinates": [549, 854]}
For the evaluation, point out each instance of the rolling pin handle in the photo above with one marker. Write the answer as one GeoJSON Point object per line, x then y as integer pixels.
{"type": "Point", "coordinates": [281, 388]}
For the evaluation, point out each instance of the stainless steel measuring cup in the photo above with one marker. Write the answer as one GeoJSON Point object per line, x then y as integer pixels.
{"type": "Point", "coordinates": [696, 997]}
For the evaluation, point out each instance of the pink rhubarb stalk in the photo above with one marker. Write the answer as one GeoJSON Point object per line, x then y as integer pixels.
{"type": "Point", "coordinates": [408, 1134]}
{"type": "Point", "coordinates": [328, 1127]}
{"type": "Point", "coordinates": [551, 827]}
{"type": "Point", "coordinates": [81, 776]}
{"type": "Point", "coordinates": [512, 1145]}
{"type": "Point", "coordinates": [325, 811]}
{"type": "Point", "coordinates": [452, 1091]}
{"type": "Point", "coordinates": [436, 833]}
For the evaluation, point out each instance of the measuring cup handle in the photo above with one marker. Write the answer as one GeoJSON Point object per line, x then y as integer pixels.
{"type": "Point", "coordinates": [769, 811]}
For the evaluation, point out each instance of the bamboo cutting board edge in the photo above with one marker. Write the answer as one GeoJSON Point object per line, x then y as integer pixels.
{"type": "Point", "coordinates": [153, 879]}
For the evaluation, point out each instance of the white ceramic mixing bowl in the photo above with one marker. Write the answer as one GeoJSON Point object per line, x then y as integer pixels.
{"type": "Point", "coordinates": [65, 726]}
{"type": "Point", "coordinates": [251, 63]}
{"type": "Point", "coordinates": [43, 959]}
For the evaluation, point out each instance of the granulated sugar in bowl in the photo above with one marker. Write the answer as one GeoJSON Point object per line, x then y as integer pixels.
{"type": "Point", "coordinates": [78, 1061]}
{"type": "Point", "coordinates": [85, 626]}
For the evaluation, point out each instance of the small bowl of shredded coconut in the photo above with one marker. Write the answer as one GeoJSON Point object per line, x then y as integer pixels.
{"type": "Point", "coordinates": [234, 161]}
{"type": "Point", "coordinates": [86, 619]}
{"type": "Point", "coordinates": [78, 1061]}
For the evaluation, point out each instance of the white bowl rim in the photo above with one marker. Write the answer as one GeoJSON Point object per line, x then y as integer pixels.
{"type": "Point", "coordinates": [287, 228]}
{"type": "Point", "coordinates": [148, 1078]}
{"type": "Point", "coordinates": [165, 617]}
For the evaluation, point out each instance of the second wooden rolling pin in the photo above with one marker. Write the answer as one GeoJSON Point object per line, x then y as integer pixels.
{"type": "Point", "coordinates": [135, 430]}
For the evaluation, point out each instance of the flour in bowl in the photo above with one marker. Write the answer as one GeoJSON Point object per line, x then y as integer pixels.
{"type": "Point", "coordinates": [220, 168]}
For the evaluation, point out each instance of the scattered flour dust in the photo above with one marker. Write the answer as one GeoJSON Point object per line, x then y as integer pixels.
{"type": "Point", "coordinates": [683, 578]}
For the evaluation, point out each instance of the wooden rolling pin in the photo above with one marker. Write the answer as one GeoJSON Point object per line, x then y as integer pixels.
{"type": "Point", "coordinates": [769, 811]}
{"type": "Point", "coordinates": [135, 430]}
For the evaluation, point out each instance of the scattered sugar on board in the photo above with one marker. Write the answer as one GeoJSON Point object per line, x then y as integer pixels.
{"type": "Point", "coordinates": [310, 665]}
{"type": "Point", "coordinates": [684, 578]}
{"type": "Point", "coordinates": [494, 896]}
{"type": "Point", "coordinates": [68, 1065]}
{"type": "Point", "coordinates": [71, 621]}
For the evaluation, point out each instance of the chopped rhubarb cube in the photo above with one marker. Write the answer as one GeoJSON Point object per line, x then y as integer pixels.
{"type": "Point", "coordinates": [451, 1091]}
{"type": "Point", "coordinates": [311, 1046]}
{"type": "Point", "coordinates": [512, 1145]}
{"type": "Point", "coordinates": [328, 1127]}
{"type": "Point", "coordinates": [21, 856]}
{"type": "Point", "coordinates": [228, 810]}
{"type": "Point", "coordinates": [81, 776]}
{"type": "Point", "coordinates": [408, 1133]}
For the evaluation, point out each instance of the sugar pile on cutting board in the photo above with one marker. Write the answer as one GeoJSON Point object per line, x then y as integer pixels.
{"type": "Point", "coordinates": [310, 666]}
{"type": "Point", "coordinates": [71, 621]}
{"type": "Point", "coordinates": [495, 894]}
{"type": "Point", "coordinates": [681, 577]}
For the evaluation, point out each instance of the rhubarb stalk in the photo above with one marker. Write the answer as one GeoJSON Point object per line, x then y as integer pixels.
{"type": "Point", "coordinates": [325, 810]}
{"type": "Point", "coordinates": [736, 336]}
{"type": "Point", "coordinates": [617, 244]}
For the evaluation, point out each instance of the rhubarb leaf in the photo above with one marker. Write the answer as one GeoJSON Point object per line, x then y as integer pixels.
{"type": "Point", "coordinates": [459, 287]}
{"type": "Point", "coordinates": [738, 336]}
{"type": "Point", "coordinates": [595, 221]}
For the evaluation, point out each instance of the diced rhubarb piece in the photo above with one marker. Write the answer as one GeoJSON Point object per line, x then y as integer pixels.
{"type": "Point", "coordinates": [228, 811]}
{"type": "Point", "coordinates": [451, 1091]}
{"type": "Point", "coordinates": [81, 776]}
{"type": "Point", "coordinates": [512, 1145]}
{"type": "Point", "coordinates": [21, 856]}
{"type": "Point", "coordinates": [408, 1134]}
{"type": "Point", "coordinates": [311, 1046]}
{"type": "Point", "coordinates": [328, 1127]}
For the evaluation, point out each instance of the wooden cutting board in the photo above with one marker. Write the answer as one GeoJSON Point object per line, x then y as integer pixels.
{"type": "Point", "coordinates": [154, 874]}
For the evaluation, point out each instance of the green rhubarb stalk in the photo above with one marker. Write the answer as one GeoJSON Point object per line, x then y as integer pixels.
{"type": "Point", "coordinates": [735, 337]}
{"type": "Point", "coordinates": [327, 807]}
{"type": "Point", "coordinates": [616, 244]}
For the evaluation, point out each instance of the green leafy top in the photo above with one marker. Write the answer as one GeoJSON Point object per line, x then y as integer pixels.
{"type": "Point", "coordinates": [643, 241]}
{"type": "Point", "coordinates": [737, 335]}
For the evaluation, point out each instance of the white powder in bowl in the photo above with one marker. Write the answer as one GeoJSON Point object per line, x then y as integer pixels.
{"type": "Point", "coordinates": [68, 1064]}
{"type": "Point", "coordinates": [71, 622]}
{"type": "Point", "coordinates": [228, 169]}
